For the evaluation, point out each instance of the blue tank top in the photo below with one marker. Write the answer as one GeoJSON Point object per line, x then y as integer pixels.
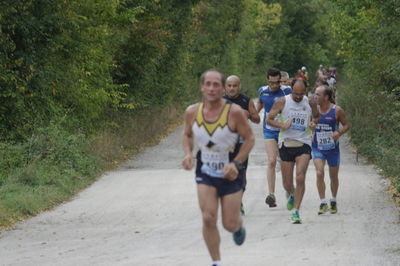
{"type": "Point", "coordinates": [323, 135]}
{"type": "Point", "coordinates": [268, 98]}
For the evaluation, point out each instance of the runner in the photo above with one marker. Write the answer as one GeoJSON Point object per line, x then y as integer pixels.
{"type": "Point", "coordinates": [267, 95]}
{"type": "Point", "coordinates": [216, 125]}
{"type": "Point", "coordinates": [325, 146]}
{"type": "Point", "coordinates": [299, 117]}
{"type": "Point", "coordinates": [285, 79]}
{"type": "Point", "coordinates": [232, 93]}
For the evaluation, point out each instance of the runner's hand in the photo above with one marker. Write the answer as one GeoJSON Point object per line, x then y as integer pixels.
{"type": "Point", "coordinates": [312, 125]}
{"type": "Point", "coordinates": [287, 124]}
{"type": "Point", "coordinates": [230, 171]}
{"type": "Point", "coordinates": [247, 113]}
{"type": "Point", "coordinates": [336, 135]}
{"type": "Point", "coordinates": [187, 162]}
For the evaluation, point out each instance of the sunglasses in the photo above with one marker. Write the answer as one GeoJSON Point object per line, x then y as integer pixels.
{"type": "Point", "coordinates": [274, 82]}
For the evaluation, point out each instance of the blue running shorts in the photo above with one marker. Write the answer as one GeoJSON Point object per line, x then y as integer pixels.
{"type": "Point", "coordinates": [271, 135]}
{"type": "Point", "coordinates": [333, 158]}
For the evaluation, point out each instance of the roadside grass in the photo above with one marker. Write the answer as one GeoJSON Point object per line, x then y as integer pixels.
{"type": "Point", "coordinates": [52, 165]}
{"type": "Point", "coordinates": [374, 118]}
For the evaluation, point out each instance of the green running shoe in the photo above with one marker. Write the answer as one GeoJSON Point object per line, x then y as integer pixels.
{"type": "Point", "coordinates": [323, 208]}
{"type": "Point", "coordinates": [242, 209]}
{"type": "Point", "coordinates": [333, 207]}
{"type": "Point", "coordinates": [290, 203]}
{"type": "Point", "coordinates": [239, 236]}
{"type": "Point", "coordinates": [296, 217]}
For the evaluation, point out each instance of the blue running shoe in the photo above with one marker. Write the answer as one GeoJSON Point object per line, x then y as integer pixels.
{"type": "Point", "coordinates": [239, 236]}
{"type": "Point", "coordinates": [296, 217]}
{"type": "Point", "coordinates": [290, 203]}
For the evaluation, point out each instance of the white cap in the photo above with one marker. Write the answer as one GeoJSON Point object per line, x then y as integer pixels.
{"type": "Point", "coordinates": [303, 68]}
{"type": "Point", "coordinates": [320, 65]}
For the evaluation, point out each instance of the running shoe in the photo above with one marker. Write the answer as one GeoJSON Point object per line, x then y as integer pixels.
{"type": "Point", "coordinates": [323, 208]}
{"type": "Point", "coordinates": [333, 207]}
{"type": "Point", "coordinates": [296, 217]}
{"type": "Point", "coordinates": [290, 203]}
{"type": "Point", "coordinates": [271, 201]}
{"type": "Point", "coordinates": [239, 236]}
{"type": "Point", "coordinates": [242, 209]}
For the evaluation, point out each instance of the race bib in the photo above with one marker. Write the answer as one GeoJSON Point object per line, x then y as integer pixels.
{"type": "Point", "coordinates": [299, 122]}
{"type": "Point", "coordinates": [325, 140]}
{"type": "Point", "coordinates": [214, 162]}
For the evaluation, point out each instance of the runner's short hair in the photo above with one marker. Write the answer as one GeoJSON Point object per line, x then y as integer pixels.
{"type": "Point", "coordinates": [203, 76]}
{"type": "Point", "coordinates": [273, 72]}
{"type": "Point", "coordinates": [329, 91]}
{"type": "Point", "coordinates": [284, 74]}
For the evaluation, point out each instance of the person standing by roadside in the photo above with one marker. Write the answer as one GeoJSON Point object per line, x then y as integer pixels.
{"type": "Point", "coordinates": [215, 126]}
{"type": "Point", "coordinates": [232, 93]}
{"type": "Point", "coordinates": [267, 95]}
{"type": "Point", "coordinates": [298, 118]}
{"type": "Point", "coordinates": [325, 145]}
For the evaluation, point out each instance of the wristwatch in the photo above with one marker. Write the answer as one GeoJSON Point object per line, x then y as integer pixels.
{"type": "Point", "coordinates": [239, 165]}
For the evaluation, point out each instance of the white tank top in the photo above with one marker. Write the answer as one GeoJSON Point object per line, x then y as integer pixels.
{"type": "Point", "coordinates": [216, 141]}
{"type": "Point", "coordinates": [300, 114]}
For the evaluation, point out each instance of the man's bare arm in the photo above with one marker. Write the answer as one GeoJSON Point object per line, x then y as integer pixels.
{"type": "Point", "coordinates": [238, 122]}
{"type": "Point", "coordinates": [253, 114]}
{"type": "Point", "coordinates": [315, 114]}
{"type": "Point", "coordinates": [277, 108]}
{"type": "Point", "coordinates": [187, 137]}
{"type": "Point", "coordinates": [259, 106]}
{"type": "Point", "coordinates": [342, 119]}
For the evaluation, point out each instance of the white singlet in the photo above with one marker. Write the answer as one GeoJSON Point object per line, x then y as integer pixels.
{"type": "Point", "coordinates": [216, 141]}
{"type": "Point", "coordinates": [300, 114]}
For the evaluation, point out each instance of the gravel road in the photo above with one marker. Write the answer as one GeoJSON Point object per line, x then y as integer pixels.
{"type": "Point", "coordinates": [146, 213]}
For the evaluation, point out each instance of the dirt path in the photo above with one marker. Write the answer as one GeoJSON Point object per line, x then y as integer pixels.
{"type": "Point", "coordinates": [146, 213]}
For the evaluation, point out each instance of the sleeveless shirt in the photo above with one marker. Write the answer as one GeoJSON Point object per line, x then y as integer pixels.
{"type": "Point", "coordinates": [217, 143]}
{"type": "Point", "coordinates": [300, 114]}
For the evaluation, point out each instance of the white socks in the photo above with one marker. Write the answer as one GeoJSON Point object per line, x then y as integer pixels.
{"type": "Point", "coordinates": [216, 263]}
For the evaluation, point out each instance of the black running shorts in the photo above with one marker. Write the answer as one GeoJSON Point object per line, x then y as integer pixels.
{"type": "Point", "coordinates": [289, 154]}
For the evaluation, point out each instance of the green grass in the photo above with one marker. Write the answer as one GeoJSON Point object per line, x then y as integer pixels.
{"type": "Point", "coordinates": [52, 165]}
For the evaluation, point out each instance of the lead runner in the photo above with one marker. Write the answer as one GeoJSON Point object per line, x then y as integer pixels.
{"type": "Point", "coordinates": [216, 125]}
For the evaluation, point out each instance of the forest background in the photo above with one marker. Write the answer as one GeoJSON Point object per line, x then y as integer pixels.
{"type": "Point", "coordinates": [86, 84]}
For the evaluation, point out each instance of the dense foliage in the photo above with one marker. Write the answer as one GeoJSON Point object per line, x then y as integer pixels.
{"type": "Point", "coordinates": [366, 34]}
{"type": "Point", "coordinates": [77, 75]}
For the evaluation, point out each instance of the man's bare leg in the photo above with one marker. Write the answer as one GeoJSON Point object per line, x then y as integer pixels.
{"type": "Point", "coordinates": [319, 167]}
{"type": "Point", "coordinates": [334, 175]}
{"type": "Point", "coordinates": [208, 202]}
{"type": "Point", "coordinates": [271, 148]}
{"type": "Point", "coordinates": [302, 162]}
{"type": "Point", "coordinates": [230, 205]}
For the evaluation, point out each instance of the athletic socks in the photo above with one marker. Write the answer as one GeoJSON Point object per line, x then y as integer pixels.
{"type": "Point", "coordinates": [333, 199]}
{"type": "Point", "coordinates": [216, 263]}
{"type": "Point", "coordinates": [324, 201]}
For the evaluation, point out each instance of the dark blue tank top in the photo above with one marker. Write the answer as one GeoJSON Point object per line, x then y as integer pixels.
{"type": "Point", "coordinates": [241, 100]}
{"type": "Point", "coordinates": [322, 139]}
